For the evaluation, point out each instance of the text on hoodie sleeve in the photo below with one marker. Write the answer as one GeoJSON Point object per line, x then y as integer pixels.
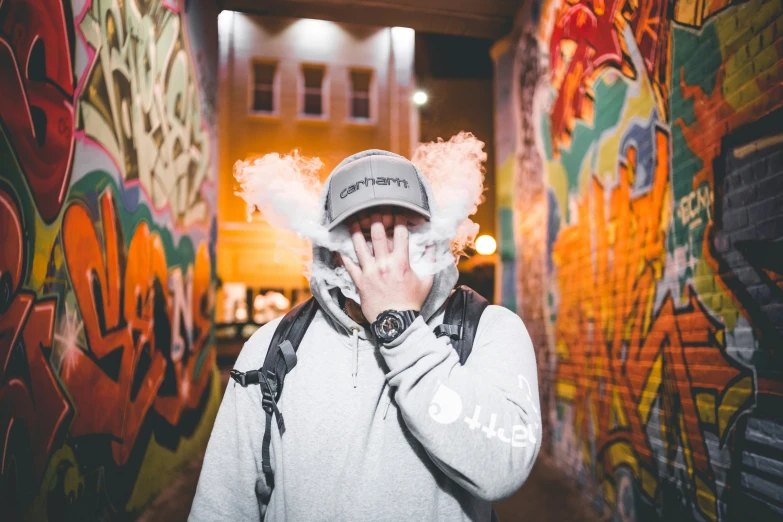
{"type": "Point", "coordinates": [481, 422]}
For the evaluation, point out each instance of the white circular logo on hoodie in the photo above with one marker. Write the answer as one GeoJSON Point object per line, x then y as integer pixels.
{"type": "Point", "coordinates": [446, 405]}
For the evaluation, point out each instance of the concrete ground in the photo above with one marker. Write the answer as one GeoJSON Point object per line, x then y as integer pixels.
{"type": "Point", "coordinates": [546, 496]}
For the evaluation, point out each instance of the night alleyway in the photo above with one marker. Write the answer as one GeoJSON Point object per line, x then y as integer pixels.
{"type": "Point", "coordinates": [163, 167]}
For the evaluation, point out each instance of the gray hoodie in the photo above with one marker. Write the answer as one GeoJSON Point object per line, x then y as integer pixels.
{"type": "Point", "coordinates": [418, 437]}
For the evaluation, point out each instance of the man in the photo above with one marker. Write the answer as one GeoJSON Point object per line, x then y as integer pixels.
{"type": "Point", "coordinates": [413, 435]}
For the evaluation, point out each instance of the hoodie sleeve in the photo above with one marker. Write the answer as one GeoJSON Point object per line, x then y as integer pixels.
{"type": "Point", "coordinates": [232, 485]}
{"type": "Point", "coordinates": [481, 422]}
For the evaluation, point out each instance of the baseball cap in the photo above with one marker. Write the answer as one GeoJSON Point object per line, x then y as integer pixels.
{"type": "Point", "coordinates": [371, 181]}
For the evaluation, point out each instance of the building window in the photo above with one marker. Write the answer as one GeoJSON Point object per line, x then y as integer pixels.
{"type": "Point", "coordinates": [264, 87]}
{"type": "Point", "coordinates": [360, 94]}
{"type": "Point", "coordinates": [313, 93]}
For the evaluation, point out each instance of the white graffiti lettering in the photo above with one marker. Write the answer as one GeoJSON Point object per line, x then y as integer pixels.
{"type": "Point", "coordinates": [690, 206]}
{"type": "Point", "coordinates": [140, 101]}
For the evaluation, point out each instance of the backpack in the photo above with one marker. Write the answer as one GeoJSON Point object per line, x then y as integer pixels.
{"type": "Point", "coordinates": [460, 322]}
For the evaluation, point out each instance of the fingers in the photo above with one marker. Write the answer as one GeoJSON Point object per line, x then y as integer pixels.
{"type": "Point", "coordinates": [354, 271]}
{"type": "Point", "coordinates": [388, 217]}
{"type": "Point", "coordinates": [360, 245]}
{"type": "Point", "coordinates": [378, 235]}
{"type": "Point", "coordinates": [401, 236]}
{"type": "Point", "coordinates": [364, 220]}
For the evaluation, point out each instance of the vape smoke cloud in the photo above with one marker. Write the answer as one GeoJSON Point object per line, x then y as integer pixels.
{"type": "Point", "coordinates": [286, 190]}
{"type": "Point", "coordinates": [455, 173]}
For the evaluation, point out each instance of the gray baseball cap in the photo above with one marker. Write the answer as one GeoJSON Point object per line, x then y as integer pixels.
{"type": "Point", "coordinates": [371, 181]}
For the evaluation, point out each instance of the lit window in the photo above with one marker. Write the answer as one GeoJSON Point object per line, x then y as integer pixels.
{"type": "Point", "coordinates": [360, 94]}
{"type": "Point", "coordinates": [313, 90]}
{"type": "Point", "coordinates": [263, 86]}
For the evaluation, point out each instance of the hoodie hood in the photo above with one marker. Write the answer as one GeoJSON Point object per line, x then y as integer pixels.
{"type": "Point", "coordinates": [327, 294]}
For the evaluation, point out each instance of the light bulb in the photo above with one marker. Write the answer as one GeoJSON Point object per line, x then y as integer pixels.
{"type": "Point", "coordinates": [420, 98]}
{"type": "Point", "coordinates": [486, 245]}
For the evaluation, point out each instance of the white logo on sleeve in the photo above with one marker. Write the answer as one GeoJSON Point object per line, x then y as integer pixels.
{"type": "Point", "coordinates": [446, 405]}
{"type": "Point", "coordinates": [521, 435]}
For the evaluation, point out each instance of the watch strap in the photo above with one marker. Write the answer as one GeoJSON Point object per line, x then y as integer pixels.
{"type": "Point", "coordinates": [408, 316]}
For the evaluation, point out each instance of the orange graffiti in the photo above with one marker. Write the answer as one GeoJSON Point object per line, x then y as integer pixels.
{"type": "Point", "coordinates": [134, 326]}
{"type": "Point", "coordinates": [202, 304]}
{"type": "Point", "coordinates": [616, 359]}
{"type": "Point", "coordinates": [113, 385]}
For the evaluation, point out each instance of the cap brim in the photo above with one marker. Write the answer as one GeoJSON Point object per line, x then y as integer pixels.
{"type": "Point", "coordinates": [377, 203]}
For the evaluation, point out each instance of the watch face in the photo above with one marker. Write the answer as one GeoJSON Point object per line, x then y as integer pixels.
{"type": "Point", "coordinates": [389, 326]}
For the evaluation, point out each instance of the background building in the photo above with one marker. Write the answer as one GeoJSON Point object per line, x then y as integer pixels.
{"type": "Point", "coordinates": [327, 89]}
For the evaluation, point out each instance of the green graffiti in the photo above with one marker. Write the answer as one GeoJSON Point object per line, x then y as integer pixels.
{"type": "Point", "coordinates": [607, 115]}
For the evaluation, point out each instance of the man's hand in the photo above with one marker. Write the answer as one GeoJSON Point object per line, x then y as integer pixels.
{"type": "Point", "coordinates": [385, 281]}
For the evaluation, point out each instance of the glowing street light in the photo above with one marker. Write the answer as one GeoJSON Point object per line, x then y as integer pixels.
{"type": "Point", "coordinates": [420, 98]}
{"type": "Point", "coordinates": [486, 245]}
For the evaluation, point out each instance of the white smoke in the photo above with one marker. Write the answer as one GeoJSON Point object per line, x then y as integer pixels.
{"type": "Point", "coordinates": [286, 190]}
{"type": "Point", "coordinates": [454, 171]}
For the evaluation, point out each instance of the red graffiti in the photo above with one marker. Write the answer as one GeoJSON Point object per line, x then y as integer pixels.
{"type": "Point", "coordinates": [36, 89]}
{"type": "Point", "coordinates": [30, 397]}
{"type": "Point", "coordinates": [587, 38]}
{"type": "Point", "coordinates": [145, 329]}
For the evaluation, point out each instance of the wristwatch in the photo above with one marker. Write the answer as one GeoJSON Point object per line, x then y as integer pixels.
{"type": "Point", "coordinates": [390, 324]}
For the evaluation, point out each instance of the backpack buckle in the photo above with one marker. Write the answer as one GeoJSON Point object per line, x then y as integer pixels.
{"type": "Point", "coordinates": [247, 378]}
{"type": "Point", "coordinates": [239, 377]}
{"type": "Point", "coordinates": [450, 330]}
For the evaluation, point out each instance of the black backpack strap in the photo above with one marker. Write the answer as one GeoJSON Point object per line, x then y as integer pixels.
{"type": "Point", "coordinates": [280, 359]}
{"type": "Point", "coordinates": [460, 321]}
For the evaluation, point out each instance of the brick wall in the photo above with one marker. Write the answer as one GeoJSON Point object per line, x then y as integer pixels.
{"type": "Point", "coordinates": [640, 168]}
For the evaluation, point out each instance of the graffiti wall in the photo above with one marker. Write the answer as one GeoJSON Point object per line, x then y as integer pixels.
{"type": "Point", "coordinates": [641, 211]}
{"type": "Point", "coordinates": [107, 224]}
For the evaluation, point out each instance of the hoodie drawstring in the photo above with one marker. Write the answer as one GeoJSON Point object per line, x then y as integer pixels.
{"type": "Point", "coordinates": [390, 399]}
{"type": "Point", "coordinates": [355, 339]}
